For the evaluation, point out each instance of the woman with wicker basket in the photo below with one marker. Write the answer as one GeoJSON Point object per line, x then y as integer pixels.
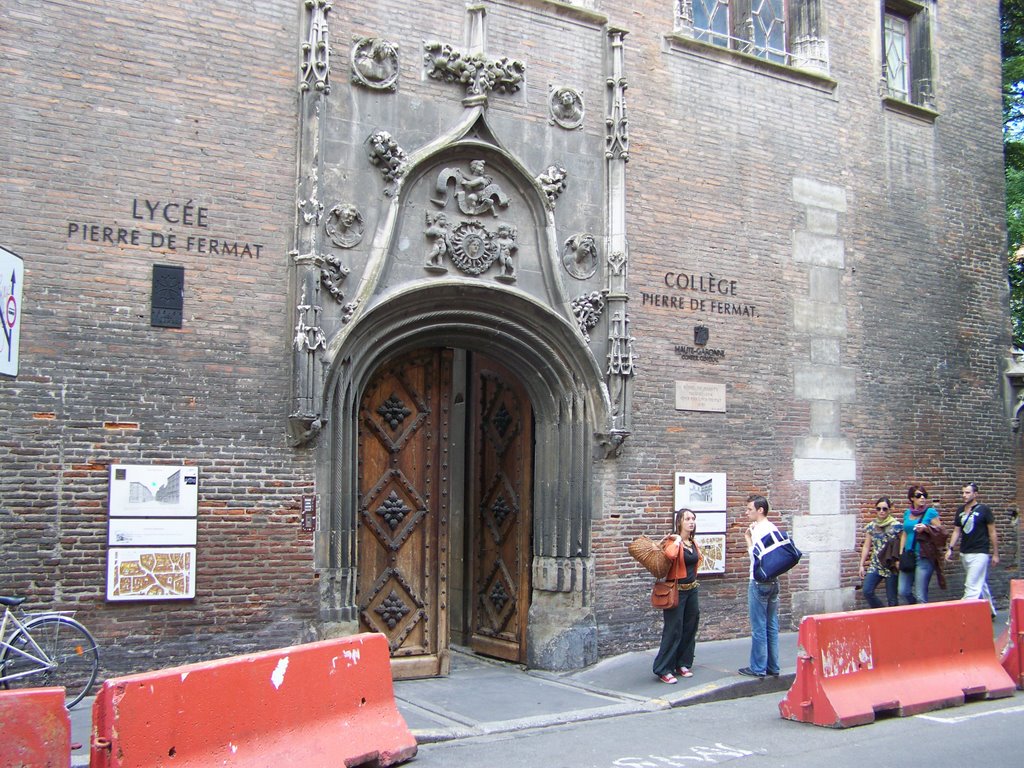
{"type": "Point", "coordinates": [679, 633]}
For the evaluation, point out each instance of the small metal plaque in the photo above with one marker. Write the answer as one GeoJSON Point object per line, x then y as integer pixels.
{"type": "Point", "coordinates": [308, 518]}
{"type": "Point", "coordinates": [168, 298]}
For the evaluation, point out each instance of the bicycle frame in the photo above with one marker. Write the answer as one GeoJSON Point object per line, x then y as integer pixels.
{"type": "Point", "coordinates": [32, 653]}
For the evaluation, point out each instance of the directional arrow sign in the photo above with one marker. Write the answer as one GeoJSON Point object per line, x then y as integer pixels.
{"type": "Point", "coordinates": [12, 273]}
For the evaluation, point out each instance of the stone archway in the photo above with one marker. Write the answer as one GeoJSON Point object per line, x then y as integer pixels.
{"type": "Point", "coordinates": [568, 399]}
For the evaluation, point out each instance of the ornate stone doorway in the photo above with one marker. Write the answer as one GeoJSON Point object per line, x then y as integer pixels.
{"type": "Point", "coordinates": [444, 518]}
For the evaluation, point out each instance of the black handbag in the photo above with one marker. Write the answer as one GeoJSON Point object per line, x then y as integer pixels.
{"type": "Point", "coordinates": [908, 561]}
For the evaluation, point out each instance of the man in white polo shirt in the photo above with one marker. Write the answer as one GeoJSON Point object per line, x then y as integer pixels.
{"type": "Point", "coordinates": [762, 598]}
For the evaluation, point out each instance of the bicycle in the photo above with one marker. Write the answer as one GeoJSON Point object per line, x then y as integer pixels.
{"type": "Point", "coordinates": [47, 648]}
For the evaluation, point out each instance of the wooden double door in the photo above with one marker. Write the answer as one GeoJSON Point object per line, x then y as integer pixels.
{"type": "Point", "coordinates": [444, 526]}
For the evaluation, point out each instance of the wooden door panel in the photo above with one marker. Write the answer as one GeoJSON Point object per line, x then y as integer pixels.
{"type": "Point", "coordinates": [402, 513]}
{"type": "Point", "coordinates": [501, 494]}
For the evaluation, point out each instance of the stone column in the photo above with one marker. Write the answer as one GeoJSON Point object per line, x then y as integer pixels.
{"type": "Point", "coordinates": [824, 459]}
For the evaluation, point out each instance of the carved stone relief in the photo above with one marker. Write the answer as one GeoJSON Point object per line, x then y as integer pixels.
{"type": "Point", "coordinates": [344, 225]}
{"type": "Point", "coordinates": [616, 262]}
{"type": "Point", "coordinates": [479, 74]}
{"type": "Point", "coordinates": [471, 247]}
{"type": "Point", "coordinates": [566, 105]}
{"type": "Point", "coordinates": [375, 64]}
{"type": "Point", "coordinates": [316, 49]}
{"type": "Point", "coordinates": [308, 338]}
{"type": "Point", "coordinates": [552, 181]}
{"type": "Point", "coordinates": [332, 273]}
{"type": "Point", "coordinates": [475, 193]}
{"type": "Point", "coordinates": [387, 155]}
{"type": "Point", "coordinates": [579, 256]}
{"type": "Point", "coordinates": [587, 309]}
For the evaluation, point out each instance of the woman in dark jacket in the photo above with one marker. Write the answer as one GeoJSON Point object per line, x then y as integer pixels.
{"type": "Point", "coordinates": [679, 634]}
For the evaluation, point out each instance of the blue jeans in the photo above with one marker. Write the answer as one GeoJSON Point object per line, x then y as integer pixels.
{"type": "Point", "coordinates": [914, 584]}
{"type": "Point", "coordinates": [871, 582]}
{"type": "Point", "coordinates": [763, 604]}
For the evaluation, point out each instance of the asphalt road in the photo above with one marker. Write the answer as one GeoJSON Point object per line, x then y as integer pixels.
{"type": "Point", "coordinates": [750, 732]}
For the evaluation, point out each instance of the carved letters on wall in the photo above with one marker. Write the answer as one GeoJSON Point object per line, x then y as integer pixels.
{"type": "Point", "coordinates": [470, 246]}
{"type": "Point", "coordinates": [375, 64]}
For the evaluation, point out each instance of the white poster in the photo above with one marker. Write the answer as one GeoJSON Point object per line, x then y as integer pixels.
{"type": "Point", "coordinates": [151, 532]}
{"type": "Point", "coordinates": [140, 573]}
{"type": "Point", "coordinates": [151, 490]}
{"type": "Point", "coordinates": [700, 491]}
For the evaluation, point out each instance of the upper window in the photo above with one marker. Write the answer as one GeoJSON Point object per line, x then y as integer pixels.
{"type": "Point", "coordinates": [754, 26]}
{"type": "Point", "coordinates": [907, 52]}
{"type": "Point", "coordinates": [789, 32]}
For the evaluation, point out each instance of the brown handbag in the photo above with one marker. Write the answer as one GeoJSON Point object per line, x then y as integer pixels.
{"type": "Point", "coordinates": [665, 595]}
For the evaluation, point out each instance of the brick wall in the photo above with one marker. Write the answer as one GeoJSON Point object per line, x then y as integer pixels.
{"type": "Point", "coordinates": [111, 105]}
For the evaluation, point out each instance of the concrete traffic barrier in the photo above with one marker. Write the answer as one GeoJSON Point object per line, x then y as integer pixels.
{"type": "Point", "coordinates": [329, 703]}
{"type": "Point", "coordinates": [906, 660]}
{"type": "Point", "coordinates": [1011, 642]}
{"type": "Point", "coordinates": [36, 729]}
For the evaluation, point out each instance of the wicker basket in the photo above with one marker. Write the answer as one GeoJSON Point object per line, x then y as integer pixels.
{"type": "Point", "coordinates": [648, 553]}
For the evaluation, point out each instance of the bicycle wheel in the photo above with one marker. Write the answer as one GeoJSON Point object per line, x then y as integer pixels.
{"type": "Point", "coordinates": [73, 659]}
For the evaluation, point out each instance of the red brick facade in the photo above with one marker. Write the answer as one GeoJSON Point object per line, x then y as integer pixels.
{"type": "Point", "coordinates": [129, 125]}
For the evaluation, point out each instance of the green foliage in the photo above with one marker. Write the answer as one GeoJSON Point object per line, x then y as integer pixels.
{"type": "Point", "coordinates": [1012, 27]}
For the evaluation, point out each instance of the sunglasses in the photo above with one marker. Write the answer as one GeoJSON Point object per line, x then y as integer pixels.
{"type": "Point", "coordinates": [882, 509]}
{"type": "Point", "coordinates": [920, 496]}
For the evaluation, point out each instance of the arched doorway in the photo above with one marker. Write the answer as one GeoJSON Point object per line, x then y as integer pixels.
{"type": "Point", "coordinates": [445, 508]}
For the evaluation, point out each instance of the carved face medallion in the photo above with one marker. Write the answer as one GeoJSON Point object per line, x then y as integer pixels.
{"type": "Point", "coordinates": [472, 250]}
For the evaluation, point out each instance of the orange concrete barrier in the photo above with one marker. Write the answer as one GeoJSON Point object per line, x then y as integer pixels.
{"type": "Point", "coordinates": [36, 729]}
{"type": "Point", "coordinates": [906, 660]}
{"type": "Point", "coordinates": [1011, 642]}
{"type": "Point", "coordinates": [329, 703]}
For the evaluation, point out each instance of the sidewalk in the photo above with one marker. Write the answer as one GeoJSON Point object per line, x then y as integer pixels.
{"type": "Point", "coordinates": [483, 696]}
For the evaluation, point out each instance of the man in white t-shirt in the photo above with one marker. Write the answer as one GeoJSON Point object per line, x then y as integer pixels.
{"type": "Point", "coordinates": [762, 598]}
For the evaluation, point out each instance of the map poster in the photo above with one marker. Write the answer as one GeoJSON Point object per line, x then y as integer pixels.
{"type": "Point", "coordinates": [153, 490]}
{"type": "Point", "coordinates": [140, 573]}
{"type": "Point", "coordinates": [712, 548]}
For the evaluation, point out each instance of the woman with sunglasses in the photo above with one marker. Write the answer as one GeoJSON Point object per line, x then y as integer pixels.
{"type": "Point", "coordinates": [913, 583]}
{"type": "Point", "coordinates": [877, 534]}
